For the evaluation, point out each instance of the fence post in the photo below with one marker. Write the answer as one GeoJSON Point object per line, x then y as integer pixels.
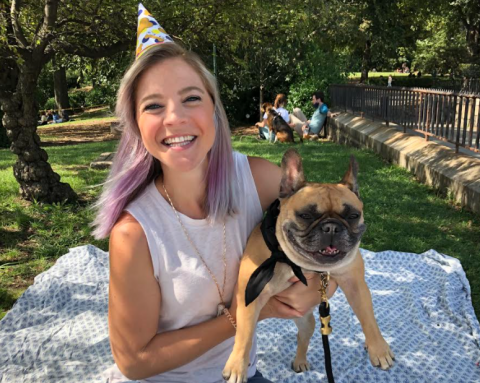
{"type": "Point", "coordinates": [362, 102]}
{"type": "Point", "coordinates": [386, 110]}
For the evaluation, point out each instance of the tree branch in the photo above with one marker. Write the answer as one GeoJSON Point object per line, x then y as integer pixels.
{"type": "Point", "coordinates": [17, 29]}
{"type": "Point", "coordinates": [85, 51]}
{"type": "Point", "coordinates": [50, 17]}
{"type": "Point", "coordinates": [64, 22]}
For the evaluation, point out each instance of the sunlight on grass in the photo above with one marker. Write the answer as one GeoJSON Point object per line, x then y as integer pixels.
{"type": "Point", "coordinates": [357, 75]}
{"type": "Point", "coordinates": [401, 214]}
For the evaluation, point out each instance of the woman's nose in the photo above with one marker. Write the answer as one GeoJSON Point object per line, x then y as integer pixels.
{"type": "Point", "coordinates": [174, 113]}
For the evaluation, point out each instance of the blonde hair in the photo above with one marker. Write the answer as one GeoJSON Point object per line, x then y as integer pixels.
{"type": "Point", "coordinates": [134, 167]}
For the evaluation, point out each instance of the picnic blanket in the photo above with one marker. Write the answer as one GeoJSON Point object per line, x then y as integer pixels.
{"type": "Point", "coordinates": [57, 330]}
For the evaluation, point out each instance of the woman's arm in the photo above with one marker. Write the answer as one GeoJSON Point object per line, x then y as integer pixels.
{"type": "Point", "coordinates": [261, 124]}
{"type": "Point", "coordinates": [134, 310]}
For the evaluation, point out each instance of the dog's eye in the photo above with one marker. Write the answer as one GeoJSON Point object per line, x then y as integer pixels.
{"type": "Point", "coordinates": [305, 216]}
{"type": "Point", "coordinates": [353, 216]}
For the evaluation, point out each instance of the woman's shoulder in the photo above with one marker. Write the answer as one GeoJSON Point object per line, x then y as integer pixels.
{"type": "Point", "coordinates": [127, 229]}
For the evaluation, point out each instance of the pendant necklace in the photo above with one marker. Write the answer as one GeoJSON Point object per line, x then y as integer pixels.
{"type": "Point", "coordinates": [221, 308]}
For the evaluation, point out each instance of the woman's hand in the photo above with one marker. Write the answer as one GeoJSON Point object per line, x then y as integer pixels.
{"type": "Point", "coordinates": [297, 300]}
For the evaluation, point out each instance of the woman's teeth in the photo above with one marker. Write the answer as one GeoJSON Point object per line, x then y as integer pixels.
{"type": "Point", "coordinates": [178, 141]}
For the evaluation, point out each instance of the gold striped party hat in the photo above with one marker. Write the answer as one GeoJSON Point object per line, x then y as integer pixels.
{"type": "Point", "coordinates": [149, 32]}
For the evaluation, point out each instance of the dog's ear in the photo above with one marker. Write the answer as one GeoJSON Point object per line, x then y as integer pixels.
{"type": "Point", "coordinates": [293, 178]}
{"type": "Point", "coordinates": [350, 177]}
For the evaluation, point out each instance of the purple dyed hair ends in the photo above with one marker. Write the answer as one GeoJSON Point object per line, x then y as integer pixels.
{"type": "Point", "coordinates": [134, 167]}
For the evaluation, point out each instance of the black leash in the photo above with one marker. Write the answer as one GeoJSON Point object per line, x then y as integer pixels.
{"type": "Point", "coordinates": [264, 274]}
{"type": "Point", "coordinates": [326, 329]}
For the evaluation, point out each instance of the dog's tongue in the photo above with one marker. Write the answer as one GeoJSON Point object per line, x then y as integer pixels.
{"type": "Point", "coordinates": [330, 249]}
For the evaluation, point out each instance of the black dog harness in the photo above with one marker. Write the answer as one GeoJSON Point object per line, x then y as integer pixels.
{"type": "Point", "coordinates": [264, 273]}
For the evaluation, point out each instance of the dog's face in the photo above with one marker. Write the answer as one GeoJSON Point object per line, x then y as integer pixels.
{"type": "Point", "coordinates": [266, 107]}
{"type": "Point", "coordinates": [320, 225]}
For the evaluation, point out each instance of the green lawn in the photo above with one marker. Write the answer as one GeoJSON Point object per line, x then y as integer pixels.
{"type": "Point", "coordinates": [357, 75]}
{"type": "Point", "coordinates": [400, 213]}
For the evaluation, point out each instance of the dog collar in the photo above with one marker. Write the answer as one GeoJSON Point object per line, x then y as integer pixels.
{"type": "Point", "coordinates": [264, 273]}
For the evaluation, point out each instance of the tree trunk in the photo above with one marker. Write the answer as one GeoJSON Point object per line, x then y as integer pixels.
{"type": "Point", "coordinates": [473, 43]}
{"type": "Point", "coordinates": [366, 62]}
{"type": "Point", "coordinates": [261, 102]}
{"type": "Point", "coordinates": [32, 171]}
{"type": "Point", "coordinates": [61, 90]}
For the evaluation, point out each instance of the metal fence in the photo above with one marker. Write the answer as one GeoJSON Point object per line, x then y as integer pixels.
{"type": "Point", "coordinates": [448, 116]}
{"type": "Point", "coordinates": [471, 85]}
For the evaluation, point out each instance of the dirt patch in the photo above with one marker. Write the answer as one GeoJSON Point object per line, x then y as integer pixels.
{"type": "Point", "coordinates": [97, 131]}
{"type": "Point", "coordinates": [71, 134]}
{"type": "Point", "coordinates": [245, 131]}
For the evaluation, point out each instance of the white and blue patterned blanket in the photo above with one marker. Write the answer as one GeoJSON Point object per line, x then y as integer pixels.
{"type": "Point", "coordinates": [57, 331]}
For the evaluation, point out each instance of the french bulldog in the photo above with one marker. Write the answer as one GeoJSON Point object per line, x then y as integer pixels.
{"type": "Point", "coordinates": [319, 228]}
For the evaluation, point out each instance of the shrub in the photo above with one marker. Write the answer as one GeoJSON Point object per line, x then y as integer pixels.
{"type": "Point", "coordinates": [101, 95]}
{"type": "Point", "coordinates": [77, 99]}
{"type": "Point", "coordinates": [50, 104]}
{"type": "Point", "coordinates": [317, 71]}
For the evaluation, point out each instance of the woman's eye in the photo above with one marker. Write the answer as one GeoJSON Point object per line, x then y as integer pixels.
{"type": "Point", "coordinates": [193, 98]}
{"type": "Point", "coordinates": [152, 107]}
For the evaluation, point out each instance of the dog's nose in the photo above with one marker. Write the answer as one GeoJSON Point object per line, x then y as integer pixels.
{"type": "Point", "coordinates": [331, 228]}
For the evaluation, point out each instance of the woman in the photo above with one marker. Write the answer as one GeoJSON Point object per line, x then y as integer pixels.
{"type": "Point", "coordinates": [179, 205]}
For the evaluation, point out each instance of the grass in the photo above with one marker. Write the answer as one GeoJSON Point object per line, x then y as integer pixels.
{"type": "Point", "coordinates": [357, 75]}
{"type": "Point", "coordinates": [401, 214]}
{"type": "Point", "coordinates": [33, 235]}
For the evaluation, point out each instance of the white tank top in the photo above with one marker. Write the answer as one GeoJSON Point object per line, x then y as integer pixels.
{"type": "Point", "coordinates": [189, 295]}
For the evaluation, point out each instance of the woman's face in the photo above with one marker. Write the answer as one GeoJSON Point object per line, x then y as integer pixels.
{"type": "Point", "coordinates": [175, 115]}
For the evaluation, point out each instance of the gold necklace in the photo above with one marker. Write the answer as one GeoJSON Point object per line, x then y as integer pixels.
{"type": "Point", "coordinates": [221, 308]}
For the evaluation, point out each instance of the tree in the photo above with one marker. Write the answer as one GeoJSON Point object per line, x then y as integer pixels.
{"type": "Point", "coordinates": [32, 34]}
{"type": "Point", "coordinates": [61, 89]}
{"type": "Point", "coordinates": [468, 12]}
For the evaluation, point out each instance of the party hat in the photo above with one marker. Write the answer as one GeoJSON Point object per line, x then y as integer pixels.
{"type": "Point", "coordinates": [149, 32]}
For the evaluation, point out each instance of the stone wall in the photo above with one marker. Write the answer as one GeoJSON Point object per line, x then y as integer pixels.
{"type": "Point", "coordinates": [454, 174]}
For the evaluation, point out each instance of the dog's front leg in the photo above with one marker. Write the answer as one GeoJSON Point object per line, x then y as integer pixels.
{"type": "Point", "coordinates": [235, 370]}
{"type": "Point", "coordinates": [306, 327]}
{"type": "Point", "coordinates": [358, 295]}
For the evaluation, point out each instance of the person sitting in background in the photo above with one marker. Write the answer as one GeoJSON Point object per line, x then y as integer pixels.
{"type": "Point", "coordinates": [263, 127]}
{"type": "Point", "coordinates": [50, 117]}
{"type": "Point", "coordinates": [310, 129]}
{"type": "Point", "coordinates": [43, 119]}
{"type": "Point", "coordinates": [57, 118]}
{"type": "Point", "coordinates": [65, 115]}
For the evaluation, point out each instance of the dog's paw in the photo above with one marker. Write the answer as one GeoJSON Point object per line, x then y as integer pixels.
{"type": "Point", "coordinates": [235, 371]}
{"type": "Point", "coordinates": [380, 354]}
{"type": "Point", "coordinates": [300, 365]}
